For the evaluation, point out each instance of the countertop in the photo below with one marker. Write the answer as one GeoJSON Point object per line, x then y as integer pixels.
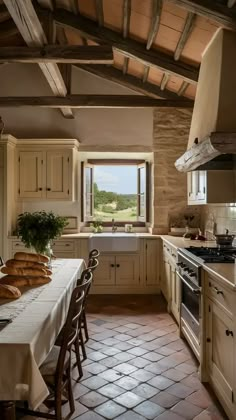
{"type": "Point", "coordinates": [180, 242]}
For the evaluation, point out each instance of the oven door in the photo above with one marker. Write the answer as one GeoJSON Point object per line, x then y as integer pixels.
{"type": "Point", "coordinates": [190, 304]}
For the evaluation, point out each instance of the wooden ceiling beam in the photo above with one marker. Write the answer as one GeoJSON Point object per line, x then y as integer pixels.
{"type": "Point", "coordinates": [210, 9]}
{"type": "Point", "coordinates": [183, 88]}
{"type": "Point", "coordinates": [28, 24]}
{"type": "Point", "coordinates": [188, 27]}
{"type": "Point", "coordinates": [164, 80]}
{"type": "Point", "coordinates": [231, 3]}
{"type": "Point", "coordinates": [155, 23]}
{"type": "Point", "coordinates": [57, 54]}
{"type": "Point", "coordinates": [128, 47]}
{"type": "Point", "coordinates": [145, 73]}
{"type": "Point", "coordinates": [92, 101]}
{"type": "Point", "coordinates": [129, 81]}
{"type": "Point", "coordinates": [99, 12]}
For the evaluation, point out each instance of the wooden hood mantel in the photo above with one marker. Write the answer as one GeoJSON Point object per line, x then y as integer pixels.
{"type": "Point", "coordinates": [216, 152]}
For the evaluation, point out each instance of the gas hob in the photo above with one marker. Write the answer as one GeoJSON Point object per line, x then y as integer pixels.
{"type": "Point", "coordinates": [213, 255]}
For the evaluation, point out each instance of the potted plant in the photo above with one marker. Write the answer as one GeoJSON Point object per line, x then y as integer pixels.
{"type": "Point", "coordinates": [96, 225]}
{"type": "Point", "coordinates": [38, 229]}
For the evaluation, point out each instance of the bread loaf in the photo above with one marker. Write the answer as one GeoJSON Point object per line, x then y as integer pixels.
{"type": "Point", "coordinates": [36, 272]}
{"type": "Point", "coordinates": [26, 256]}
{"type": "Point", "coordinates": [9, 292]}
{"type": "Point", "coordinates": [24, 281]}
{"type": "Point", "coordinates": [23, 264]}
{"type": "Point", "coordinates": [49, 272]}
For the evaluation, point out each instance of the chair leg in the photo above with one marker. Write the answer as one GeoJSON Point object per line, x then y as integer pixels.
{"type": "Point", "coordinates": [58, 413]}
{"type": "Point", "coordinates": [85, 326]}
{"type": "Point", "coordinates": [81, 341]}
{"type": "Point", "coordinates": [70, 396]}
{"type": "Point", "coordinates": [78, 361]}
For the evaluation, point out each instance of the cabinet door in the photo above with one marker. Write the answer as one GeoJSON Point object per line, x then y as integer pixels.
{"type": "Point", "coordinates": [127, 270]}
{"type": "Point", "coordinates": [166, 280]}
{"type": "Point", "coordinates": [105, 273]}
{"type": "Point", "coordinates": [175, 293]}
{"type": "Point", "coordinates": [31, 174]}
{"type": "Point", "coordinates": [220, 351]}
{"type": "Point", "coordinates": [152, 249]}
{"type": "Point", "coordinates": [201, 185]}
{"type": "Point", "coordinates": [58, 170]}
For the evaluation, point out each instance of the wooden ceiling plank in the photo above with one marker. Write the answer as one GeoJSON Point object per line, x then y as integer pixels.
{"type": "Point", "coordinates": [183, 88]}
{"type": "Point", "coordinates": [129, 81]}
{"type": "Point", "coordinates": [129, 47]}
{"type": "Point", "coordinates": [210, 9]}
{"type": "Point", "coordinates": [188, 27]}
{"type": "Point", "coordinates": [57, 54]}
{"type": "Point", "coordinates": [155, 23]}
{"type": "Point", "coordinates": [164, 80]}
{"type": "Point", "coordinates": [146, 73]}
{"type": "Point", "coordinates": [28, 24]}
{"type": "Point", "coordinates": [92, 101]}
{"type": "Point", "coordinates": [99, 12]}
{"type": "Point", "coordinates": [231, 3]}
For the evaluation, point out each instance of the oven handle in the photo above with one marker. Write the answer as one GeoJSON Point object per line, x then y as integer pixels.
{"type": "Point", "coordinates": [195, 291]}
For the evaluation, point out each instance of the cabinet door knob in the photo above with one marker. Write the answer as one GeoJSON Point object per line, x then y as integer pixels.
{"type": "Point", "coordinates": [112, 265]}
{"type": "Point", "coordinates": [48, 189]}
{"type": "Point", "coordinates": [40, 189]}
{"type": "Point", "coordinates": [229, 332]}
{"type": "Point", "coordinates": [208, 340]}
{"type": "Point", "coordinates": [117, 265]}
{"type": "Point", "coordinates": [218, 292]}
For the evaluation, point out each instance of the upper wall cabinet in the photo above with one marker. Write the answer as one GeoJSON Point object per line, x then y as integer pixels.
{"type": "Point", "coordinates": [205, 187]}
{"type": "Point", "coordinates": [46, 173]}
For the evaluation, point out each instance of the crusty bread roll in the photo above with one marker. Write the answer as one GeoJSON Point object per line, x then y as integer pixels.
{"type": "Point", "coordinates": [24, 281]}
{"type": "Point", "coordinates": [49, 272]}
{"type": "Point", "coordinates": [9, 292]}
{"type": "Point", "coordinates": [36, 272]}
{"type": "Point", "coordinates": [26, 256]}
{"type": "Point", "coordinates": [23, 264]}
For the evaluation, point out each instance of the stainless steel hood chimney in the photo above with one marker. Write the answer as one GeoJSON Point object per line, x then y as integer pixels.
{"type": "Point", "coordinates": [212, 137]}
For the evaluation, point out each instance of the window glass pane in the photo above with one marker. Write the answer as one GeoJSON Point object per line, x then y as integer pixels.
{"type": "Point", "coordinates": [142, 180]}
{"type": "Point", "coordinates": [115, 192]}
{"type": "Point", "coordinates": [88, 195]}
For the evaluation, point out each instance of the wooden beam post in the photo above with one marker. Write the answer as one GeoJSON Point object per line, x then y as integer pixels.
{"type": "Point", "coordinates": [129, 47]}
{"type": "Point", "coordinates": [27, 22]}
{"type": "Point", "coordinates": [58, 54]}
{"type": "Point", "coordinates": [92, 101]}
{"type": "Point", "coordinates": [155, 23]}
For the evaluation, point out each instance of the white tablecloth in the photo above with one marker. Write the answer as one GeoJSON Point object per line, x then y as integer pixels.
{"type": "Point", "coordinates": [38, 316]}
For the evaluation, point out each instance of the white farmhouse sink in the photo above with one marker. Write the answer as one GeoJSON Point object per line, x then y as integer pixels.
{"type": "Point", "coordinates": [114, 242]}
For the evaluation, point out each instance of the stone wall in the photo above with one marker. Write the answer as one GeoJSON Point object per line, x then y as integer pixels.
{"type": "Point", "coordinates": [170, 136]}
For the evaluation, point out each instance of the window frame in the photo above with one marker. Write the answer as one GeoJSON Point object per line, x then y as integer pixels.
{"type": "Point", "coordinates": [90, 163]}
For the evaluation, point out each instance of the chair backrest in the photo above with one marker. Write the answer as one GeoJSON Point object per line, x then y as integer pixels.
{"type": "Point", "coordinates": [70, 330]}
{"type": "Point", "coordinates": [84, 276]}
{"type": "Point", "coordinates": [85, 286]}
{"type": "Point", "coordinates": [1, 261]}
{"type": "Point", "coordinates": [93, 264]}
{"type": "Point", "coordinates": [94, 253]}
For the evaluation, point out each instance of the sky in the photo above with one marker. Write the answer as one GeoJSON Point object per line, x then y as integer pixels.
{"type": "Point", "coordinates": [119, 179]}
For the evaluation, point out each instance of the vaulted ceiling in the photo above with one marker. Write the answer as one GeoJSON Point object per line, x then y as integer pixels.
{"type": "Point", "coordinates": [157, 44]}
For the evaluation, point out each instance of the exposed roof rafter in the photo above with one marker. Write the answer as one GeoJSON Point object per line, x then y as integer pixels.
{"type": "Point", "coordinates": [188, 27]}
{"type": "Point", "coordinates": [155, 23]}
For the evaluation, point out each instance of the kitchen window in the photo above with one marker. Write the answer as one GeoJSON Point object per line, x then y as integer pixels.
{"type": "Point", "coordinates": [115, 189]}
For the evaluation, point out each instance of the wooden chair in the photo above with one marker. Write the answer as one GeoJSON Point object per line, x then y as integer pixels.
{"type": "Point", "coordinates": [94, 253]}
{"type": "Point", "coordinates": [1, 261]}
{"type": "Point", "coordinates": [92, 265]}
{"type": "Point", "coordinates": [56, 369]}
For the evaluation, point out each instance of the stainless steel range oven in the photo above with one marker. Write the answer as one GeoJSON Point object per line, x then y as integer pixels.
{"type": "Point", "coordinates": [189, 270]}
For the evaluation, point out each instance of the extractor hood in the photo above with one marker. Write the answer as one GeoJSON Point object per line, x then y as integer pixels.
{"type": "Point", "coordinates": [212, 137]}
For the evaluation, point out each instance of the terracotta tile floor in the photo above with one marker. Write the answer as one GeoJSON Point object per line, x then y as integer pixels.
{"type": "Point", "coordinates": [137, 366]}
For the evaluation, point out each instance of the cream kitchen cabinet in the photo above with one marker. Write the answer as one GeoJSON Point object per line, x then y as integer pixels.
{"type": "Point", "coordinates": [118, 271]}
{"type": "Point", "coordinates": [151, 262]}
{"type": "Point", "coordinates": [170, 283]}
{"type": "Point", "coordinates": [210, 187]}
{"type": "Point", "coordinates": [45, 174]}
{"type": "Point", "coordinates": [220, 354]}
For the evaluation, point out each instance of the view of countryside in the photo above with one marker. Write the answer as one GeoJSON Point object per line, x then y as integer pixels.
{"type": "Point", "coordinates": [115, 193]}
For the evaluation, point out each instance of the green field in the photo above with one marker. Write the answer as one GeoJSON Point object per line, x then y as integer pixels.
{"type": "Point", "coordinates": [129, 214]}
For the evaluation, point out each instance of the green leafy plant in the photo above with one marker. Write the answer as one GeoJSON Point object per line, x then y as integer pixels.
{"type": "Point", "coordinates": [39, 228]}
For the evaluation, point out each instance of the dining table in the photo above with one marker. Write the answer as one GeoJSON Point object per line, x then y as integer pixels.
{"type": "Point", "coordinates": [36, 319]}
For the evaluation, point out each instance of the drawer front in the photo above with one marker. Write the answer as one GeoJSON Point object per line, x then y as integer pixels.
{"type": "Point", "coordinates": [63, 246]}
{"type": "Point", "coordinates": [166, 248]}
{"type": "Point", "coordinates": [220, 295]}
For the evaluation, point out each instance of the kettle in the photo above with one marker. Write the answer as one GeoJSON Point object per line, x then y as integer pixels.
{"type": "Point", "coordinates": [225, 240]}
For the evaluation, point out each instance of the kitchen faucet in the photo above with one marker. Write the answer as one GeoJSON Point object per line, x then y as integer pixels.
{"type": "Point", "coordinates": [114, 227]}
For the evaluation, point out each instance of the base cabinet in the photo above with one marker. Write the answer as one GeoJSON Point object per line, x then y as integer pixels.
{"type": "Point", "coordinates": [175, 293]}
{"type": "Point", "coordinates": [170, 283]}
{"type": "Point", "coordinates": [220, 354]}
{"type": "Point", "coordinates": [151, 263]}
